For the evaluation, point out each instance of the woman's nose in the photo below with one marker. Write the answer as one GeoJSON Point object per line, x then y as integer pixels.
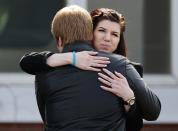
{"type": "Point", "coordinates": [107, 37]}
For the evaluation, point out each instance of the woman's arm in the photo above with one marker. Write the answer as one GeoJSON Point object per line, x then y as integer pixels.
{"type": "Point", "coordinates": [146, 100]}
{"type": "Point", "coordinates": [86, 60]}
{"type": "Point", "coordinates": [34, 63]}
{"type": "Point", "coordinates": [138, 67]}
{"type": "Point", "coordinates": [133, 114]}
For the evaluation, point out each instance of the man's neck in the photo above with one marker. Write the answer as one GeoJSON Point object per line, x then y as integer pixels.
{"type": "Point", "coordinates": [77, 46]}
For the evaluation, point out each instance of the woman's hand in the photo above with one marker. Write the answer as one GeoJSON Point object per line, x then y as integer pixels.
{"type": "Point", "coordinates": [87, 60]}
{"type": "Point", "coordinates": [116, 83]}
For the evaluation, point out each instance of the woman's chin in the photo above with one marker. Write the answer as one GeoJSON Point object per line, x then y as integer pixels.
{"type": "Point", "coordinates": [104, 50]}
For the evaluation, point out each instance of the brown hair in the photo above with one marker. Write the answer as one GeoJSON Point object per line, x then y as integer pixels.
{"type": "Point", "coordinates": [71, 24]}
{"type": "Point", "coordinates": [109, 14]}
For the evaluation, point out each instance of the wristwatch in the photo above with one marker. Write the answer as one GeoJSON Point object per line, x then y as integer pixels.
{"type": "Point", "coordinates": [130, 101]}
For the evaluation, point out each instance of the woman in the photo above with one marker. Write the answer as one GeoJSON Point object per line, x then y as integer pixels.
{"type": "Point", "coordinates": [109, 27]}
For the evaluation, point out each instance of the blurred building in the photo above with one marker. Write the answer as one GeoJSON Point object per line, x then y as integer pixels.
{"type": "Point", "coordinates": [151, 34]}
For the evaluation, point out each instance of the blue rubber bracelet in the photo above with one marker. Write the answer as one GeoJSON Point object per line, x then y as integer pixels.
{"type": "Point", "coordinates": [74, 58]}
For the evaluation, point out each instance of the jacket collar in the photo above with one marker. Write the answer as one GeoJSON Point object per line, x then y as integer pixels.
{"type": "Point", "coordinates": [78, 46]}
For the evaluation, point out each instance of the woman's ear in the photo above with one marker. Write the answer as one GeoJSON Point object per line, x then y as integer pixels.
{"type": "Point", "coordinates": [60, 44]}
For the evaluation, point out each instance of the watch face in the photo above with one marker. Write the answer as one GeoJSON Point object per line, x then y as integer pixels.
{"type": "Point", "coordinates": [131, 102]}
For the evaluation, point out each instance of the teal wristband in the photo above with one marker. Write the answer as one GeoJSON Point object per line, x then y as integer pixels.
{"type": "Point", "coordinates": [74, 58]}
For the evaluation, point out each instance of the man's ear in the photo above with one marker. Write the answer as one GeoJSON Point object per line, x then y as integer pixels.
{"type": "Point", "coordinates": [60, 44]}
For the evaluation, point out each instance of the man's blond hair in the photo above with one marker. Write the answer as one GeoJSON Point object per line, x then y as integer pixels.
{"type": "Point", "coordinates": [71, 24]}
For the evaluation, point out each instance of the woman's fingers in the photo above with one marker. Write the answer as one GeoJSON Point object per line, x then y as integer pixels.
{"type": "Point", "coordinates": [119, 75]}
{"type": "Point", "coordinates": [109, 73]}
{"type": "Point", "coordinates": [87, 60]}
{"type": "Point", "coordinates": [103, 76]}
{"type": "Point", "coordinates": [91, 52]}
{"type": "Point", "coordinates": [93, 69]}
{"type": "Point", "coordinates": [107, 88]}
{"type": "Point", "coordinates": [102, 61]}
{"type": "Point", "coordinates": [98, 65]}
{"type": "Point", "coordinates": [104, 81]}
{"type": "Point", "coordinates": [94, 53]}
{"type": "Point", "coordinates": [97, 61]}
{"type": "Point", "coordinates": [115, 83]}
{"type": "Point", "coordinates": [101, 58]}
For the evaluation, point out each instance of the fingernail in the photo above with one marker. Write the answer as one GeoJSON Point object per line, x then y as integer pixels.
{"type": "Point", "coordinates": [117, 72]}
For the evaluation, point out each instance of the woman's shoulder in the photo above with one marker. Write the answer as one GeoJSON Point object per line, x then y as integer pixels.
{"type": "Point", "coordinates": [138, 67]}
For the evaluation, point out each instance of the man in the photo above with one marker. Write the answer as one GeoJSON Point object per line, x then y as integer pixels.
{"type": "Point", "coordinates": [70, 99]}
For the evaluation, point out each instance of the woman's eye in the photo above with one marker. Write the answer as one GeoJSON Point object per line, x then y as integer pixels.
{"type": "Point", "coordinates": [115, 35]}
{"type": "Point", "coordinates": [101, 30]}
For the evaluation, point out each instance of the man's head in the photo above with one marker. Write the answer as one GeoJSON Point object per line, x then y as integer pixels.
{"type": "Point", "coordinates": [71, 24]}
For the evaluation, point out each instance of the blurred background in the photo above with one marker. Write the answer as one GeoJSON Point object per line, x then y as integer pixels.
{"type": "Point", "coordinates": [151, 35]}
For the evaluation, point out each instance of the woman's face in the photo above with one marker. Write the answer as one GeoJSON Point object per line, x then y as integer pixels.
{"type": "Point", "coordinates": [106, 36]}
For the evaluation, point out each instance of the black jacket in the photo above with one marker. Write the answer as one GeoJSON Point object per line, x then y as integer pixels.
{"type": "Point", "coordinates": [147, 103]}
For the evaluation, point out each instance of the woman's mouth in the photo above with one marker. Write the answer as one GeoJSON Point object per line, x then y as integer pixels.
{"type": "Point", "coordinates": [104, 46]}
